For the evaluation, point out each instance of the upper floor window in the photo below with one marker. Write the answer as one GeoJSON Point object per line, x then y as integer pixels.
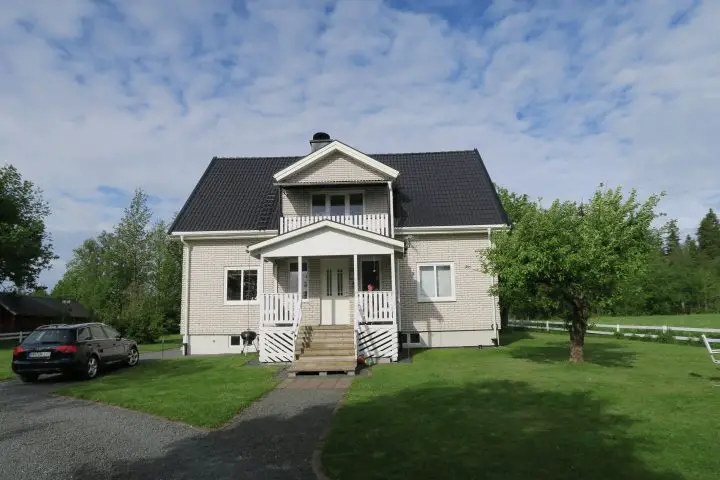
{"type": "Point", "coordinates": [333, 204]}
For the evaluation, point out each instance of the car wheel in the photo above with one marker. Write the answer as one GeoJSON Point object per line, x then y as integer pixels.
{"type": "Point", "coordinates": [133, 357]}
{"type": "Point", "coordinates": [28, 377]}
{"type": "Point", "coordinates": [91, 368]}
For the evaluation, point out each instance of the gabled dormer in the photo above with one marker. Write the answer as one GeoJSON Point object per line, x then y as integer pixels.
{"type": "Point", "coordinates": [339, 183]}
{"type": "Point", "coordinates": [331, 161]}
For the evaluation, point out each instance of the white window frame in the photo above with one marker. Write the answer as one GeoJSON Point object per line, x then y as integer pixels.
{"type": "Point", "coordinates": [329, 193]}
{"type": "Point", "coordinates": [242, 286]}
{"type": "Point", "coordinates": [423, 299]}
{"type": "Point", "coordinates": [406, 339]}
{"type": "Point", "coordinates": [230, 345]}
{"type": "Point", "coordinates": [306, 291]}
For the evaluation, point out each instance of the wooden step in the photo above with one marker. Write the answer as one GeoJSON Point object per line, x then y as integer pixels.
{"type": "Point", "coordinates": [323, 368]}
{"type": "Point", "coordinates": [326, 358]}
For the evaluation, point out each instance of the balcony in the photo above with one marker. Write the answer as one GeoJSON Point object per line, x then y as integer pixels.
{"type": "Point", "coordinates": [374, 222]}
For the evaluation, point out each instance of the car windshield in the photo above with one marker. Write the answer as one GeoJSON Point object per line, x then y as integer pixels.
{"type": "Point", "coordinates": [51, 335]}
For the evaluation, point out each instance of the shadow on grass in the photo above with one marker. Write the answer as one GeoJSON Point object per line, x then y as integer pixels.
{"type": "Point", "coordinates": [604, 354]}
{"type": "Point", "coordinates": [489, 430]}
{"type": "Point", "coordinates": [492, 430]}
{"type": "Point", "coordinates": [511, 335]}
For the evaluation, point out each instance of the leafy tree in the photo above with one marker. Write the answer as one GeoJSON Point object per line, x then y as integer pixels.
{"type": "Point", "coordinates": [577, 257]}
{"type": "Point", "coordinates": [25, 246]}
{"type": "Point", "coordinates": [516, 206]}
{"type": "Point", "coordinates": [129, 277]}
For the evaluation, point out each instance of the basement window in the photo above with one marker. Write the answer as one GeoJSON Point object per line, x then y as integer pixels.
{"type": "Point", "coordinates": [235, 341]}
{"type": "Point", "coordinates": [410, 338]}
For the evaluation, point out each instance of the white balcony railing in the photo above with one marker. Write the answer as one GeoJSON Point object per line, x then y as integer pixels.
{"type": "Point", "coordinates": [372, 222]}
{"type": "Point", "coordinates": [376, 307]}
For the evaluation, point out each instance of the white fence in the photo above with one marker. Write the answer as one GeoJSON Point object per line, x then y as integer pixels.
{"type": "Point", "coordinates": [372, 222]}
{"type": "Point", "coordinates": [613, 329]}
{"type": "Point", "coordinates": [14, 336]}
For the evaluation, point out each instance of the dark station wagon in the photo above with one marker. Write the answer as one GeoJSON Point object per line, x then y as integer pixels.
{"type": "Point", "coordinates": [80, 349]}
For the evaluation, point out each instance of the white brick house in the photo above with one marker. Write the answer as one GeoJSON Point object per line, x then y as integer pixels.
{"type": "Point", "coordinates": [408, 225]}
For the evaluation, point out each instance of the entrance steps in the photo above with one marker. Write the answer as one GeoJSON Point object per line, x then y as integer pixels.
{"type": "Point", "coordinates": [325, 349]}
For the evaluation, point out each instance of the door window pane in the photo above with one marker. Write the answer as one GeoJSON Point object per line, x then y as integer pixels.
{"type": "Point", "coordinates": [444, 281]}
{"type": "Point", "coordinates": [318, 205]}
{"type": "Point", "coordinates": [293, 285]}
{"type": "Point", "coordinates": [328, 283]}
{"type": "Point", "coordinates": [250, 284]}
{"type": "Point", "coordinates": [356, 204]}
{"type": "Point", "coordinates": [337, 204]}
{"type": "Point", "coordinates": [340, 283]}
{"type": "Point", "coordinates": [426, 287]}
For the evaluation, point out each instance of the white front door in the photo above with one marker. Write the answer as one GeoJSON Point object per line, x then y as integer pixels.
{"type": "Point", "coordinates": [335, 292]}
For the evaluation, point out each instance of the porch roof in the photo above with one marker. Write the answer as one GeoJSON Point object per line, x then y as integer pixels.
{"type": "Point", "coordinates": [326, 238]}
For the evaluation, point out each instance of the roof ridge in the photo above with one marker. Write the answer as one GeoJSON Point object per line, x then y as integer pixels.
{"type": "Point", "coordinates": [287, 157]}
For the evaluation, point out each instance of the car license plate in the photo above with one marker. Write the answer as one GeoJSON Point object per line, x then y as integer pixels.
{"type": "Point", "coordinates": [39, 355]}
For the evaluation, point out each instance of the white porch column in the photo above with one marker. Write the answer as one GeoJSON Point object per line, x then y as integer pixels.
{"type": "Point", "coordinates": [355, 275]}
{"type": "Point", "coordinates": [300, 291]}
{"type": "Point", "coordinates": [261, 289]}
{"type": "Point", "coordinates": [395, 295]}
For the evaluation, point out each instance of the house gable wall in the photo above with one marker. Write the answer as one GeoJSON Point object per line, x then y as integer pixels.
{"type": "Point", "coordinates": [336, 167]}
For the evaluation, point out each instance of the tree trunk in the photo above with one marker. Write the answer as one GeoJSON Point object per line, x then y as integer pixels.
{"type": "Point", "coordinates": [578, 326]}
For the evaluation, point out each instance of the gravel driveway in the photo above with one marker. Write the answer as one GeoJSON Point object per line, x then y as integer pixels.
{"type": "Point", "coordinates": [43, 436]}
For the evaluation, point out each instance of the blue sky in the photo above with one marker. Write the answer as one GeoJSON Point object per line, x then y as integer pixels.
{"type": "Point", "coordinates": [100, 97]}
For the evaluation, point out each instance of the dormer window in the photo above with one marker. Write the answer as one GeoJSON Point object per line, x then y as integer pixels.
{"type": "Point", "coordinates": [337, 204]}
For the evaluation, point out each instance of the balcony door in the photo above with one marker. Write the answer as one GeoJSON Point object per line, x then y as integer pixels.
{"type": "Point", "coordinates": [337, 204]}
{"type": "Point", "coordinates": [335, 292]}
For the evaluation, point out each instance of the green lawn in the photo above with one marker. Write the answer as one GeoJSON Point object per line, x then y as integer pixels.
{"type": "Point", "coordinates": [205, 391]}
{"type": "Point", "coordinates": [634, 410]}
{"type": "Point", "coordinates": [5, 360]}
{"type": "Point", "coordinates": [699, 320]}
{"type": "Point", "coordinates": [171, 342]}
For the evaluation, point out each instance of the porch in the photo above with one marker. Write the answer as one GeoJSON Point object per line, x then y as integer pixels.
{"type": "Point", "coordinates": [345, 277]}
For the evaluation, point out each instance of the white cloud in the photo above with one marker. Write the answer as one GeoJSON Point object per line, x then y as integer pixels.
{"type": "Point", "coordinates": [557, 99]}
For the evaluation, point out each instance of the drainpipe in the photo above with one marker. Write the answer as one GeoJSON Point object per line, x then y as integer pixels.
{"type": "Point", "coordinates": [186, 281]}
{"type": "Point", "coordinates": [495, 303]}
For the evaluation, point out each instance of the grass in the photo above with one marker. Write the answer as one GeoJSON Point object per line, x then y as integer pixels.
{"type": "Point", "coordinates": [634, 410]}
{"type": "Point", "coordinates": [171, 342]}
{"type": "Point", "coordinates": [698, 320]}
{"type": "Point", "coordinates": [205, 392]}
{"type": "Point", "coordinates": [6, 372]}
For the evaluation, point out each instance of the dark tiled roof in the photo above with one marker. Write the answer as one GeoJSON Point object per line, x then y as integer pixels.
{"type": "Point", "coordinates": [433, 189]}
{"type": "Point", "coordinates": [45, 307]}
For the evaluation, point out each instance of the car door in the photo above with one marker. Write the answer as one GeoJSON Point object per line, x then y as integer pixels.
{"type": "Point", "coordinates": [117, 346]}
{"type": "Point", "coordinates": [103, 346]}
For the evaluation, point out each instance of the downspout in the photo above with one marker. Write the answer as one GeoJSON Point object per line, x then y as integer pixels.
{"type": "Point", "coordinates": [186, 300]}
{"type": "Point", "coordinates": [495, 302]}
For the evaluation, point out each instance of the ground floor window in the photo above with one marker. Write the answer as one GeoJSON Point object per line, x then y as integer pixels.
{"type": "Point", "coordinates": [435, 282]}
{"type": "Point", "coordinates": [240, 284]}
